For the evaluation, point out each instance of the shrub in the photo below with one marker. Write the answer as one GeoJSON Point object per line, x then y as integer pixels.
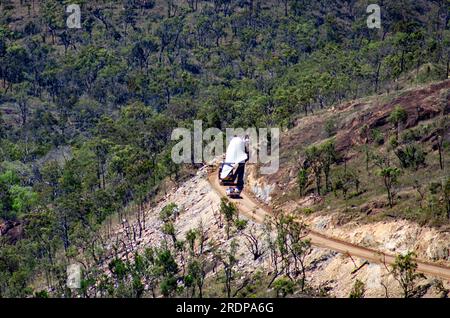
{"type": "Point", "coordinates": [435, 187]}
{"type": "Point", "coordinates": [397, 117]}
{"type": "Point", "coordinates": [404, 271]}
{"type": "Point", "coordinates": [240, 224]}
{"type": "Point", "coordinates": [302, 180]}
{"type": "Point", "coordinates": [358, 290]}
{"type": "Point", "coordinates": [411, 156]}
{"type": "Point", "coordinates": [447, 196]}
{"type": "Point", "coordinates": [283, 287]}
{"type": "Point", "coordinates": [168, 212]}
{"type": "Point", "coordinates": [307, 211]}
{"type": "Point", "coordinates": [415, 134]}
{"type": "Point", "coordinates": [377, 136]}
{"type": "Point", "coordinates": [390, 178]}
{"type": "Point", "coordinates": [330, 127]}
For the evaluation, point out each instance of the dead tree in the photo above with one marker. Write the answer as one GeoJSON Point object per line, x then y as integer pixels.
{"type": "Point", "coordinates": [253, 244]}
{"type": "Point", "coordinates": [202, 236]}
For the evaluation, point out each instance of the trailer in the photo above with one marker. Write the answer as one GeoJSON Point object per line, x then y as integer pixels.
{"type": "Point", "coordinates": [231, 169]}
{"type": "Point", "coordinates": [227, 179]}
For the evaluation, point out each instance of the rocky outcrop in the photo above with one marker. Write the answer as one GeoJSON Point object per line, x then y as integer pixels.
{"type": "Point", "coordinates": [328, 271]}
{"type": "Point", "coordinates": [420, 104]}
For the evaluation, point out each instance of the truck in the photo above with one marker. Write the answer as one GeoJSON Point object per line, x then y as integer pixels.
{"type": "Point", "coordinates": [232, 168]}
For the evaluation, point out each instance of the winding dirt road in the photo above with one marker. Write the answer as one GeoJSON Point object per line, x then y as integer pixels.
{"type": "Point", "coordinates": [248, 207]}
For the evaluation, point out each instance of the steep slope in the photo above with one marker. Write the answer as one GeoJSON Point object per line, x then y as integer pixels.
{"type": "Point", "coordinates": [355, 238]}
{"type": "Point", "coordinates": [362, 134]}
{"type": "Point", "coordinates": [394, 237]}
{"type": "Point", "coordinates": [420, 103]}
{"type": "Point", "coordinates": [329, 271]}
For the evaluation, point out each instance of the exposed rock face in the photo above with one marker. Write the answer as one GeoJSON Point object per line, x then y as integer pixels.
{"type": "Point", "coordinates": [260, 189]}
{"type": "Point", "coordinates": [322, 223]}
{"type": "Point", "coordinates": [263, 192]}
{"type": "Point", "coordinates": [310, 200]}
{"type": "Point", "coordinates": [438, 250]}
{"type": "Point", "coordinates": [420, 104]}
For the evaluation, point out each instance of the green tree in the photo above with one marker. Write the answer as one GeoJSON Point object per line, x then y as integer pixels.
{"type": "Point", "coordinates": [390, 179]}
{"type": "Point", "coordinates": [410, 156]}
{"type": "Point", "coordinates": [168, 228]}
{"type": "Point", "coordinates": [197, 273]}
{"type": "Point", "coordinates": [229, 260]}
{"type": "Point", "coordinates": [15, 199]}
{"type": "Point", "coordinates": [191, 236]}
{"type": "Point", "coordinates": [344, 180]}
{"type": "Point", "coordinates": [397, 117]}
{"type": "Point", "coordinates": [314, 160]}
{"type": "Point", "coordinates": [168, 213]}
{"type": "Point", "coordinates": [443, 125]}
{"type": "Point", "coordinates": [290, 245]}
{"type": "Point", "coordinates": [329, 156]}
{"type": "Point", "coordinates": [283, 287]}
{"type": "Point", "coordinates": [330, 127]}
{"type": "Point", "coordinates": [358, 290]}
{"type": "Point", "coordinates": [302, 180]}
{"type": "Point", "coordinates": [404, 272]}
{"type": "Point", "coordinates": [229, 211]}
{"type": "Point", "coordinates": [447, 196]}
{"type": "Point", "coordinates": [167, 268]}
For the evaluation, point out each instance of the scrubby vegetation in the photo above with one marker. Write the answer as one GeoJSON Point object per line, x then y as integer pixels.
{"type": "Point", "coordinates": [410, 168]}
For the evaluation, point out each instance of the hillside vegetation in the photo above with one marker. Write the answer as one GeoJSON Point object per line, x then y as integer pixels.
{"type": "Point", "coordinates": [377, 157]}
{"type": "Point", "coordinates": [86, 114]}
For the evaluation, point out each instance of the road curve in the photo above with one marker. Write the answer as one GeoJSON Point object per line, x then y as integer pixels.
{"type": "Point", "coordinates": [248, 207]}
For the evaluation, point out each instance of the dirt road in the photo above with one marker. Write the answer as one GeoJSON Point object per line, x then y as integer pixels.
{"type": "Point", "coordinates": [248, 207]}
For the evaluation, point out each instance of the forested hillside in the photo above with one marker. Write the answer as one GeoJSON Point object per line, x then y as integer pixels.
{"type": "Point", "coordinates": [86, 114]}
